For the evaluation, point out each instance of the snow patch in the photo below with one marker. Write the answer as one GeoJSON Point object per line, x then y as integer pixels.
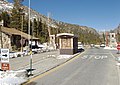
{"type": "Point", "coordinates": [109, 48]}
{"type": "Point", "coordinates": [118, 64]}
{"type": "Point", "coordinates": [13, 77]}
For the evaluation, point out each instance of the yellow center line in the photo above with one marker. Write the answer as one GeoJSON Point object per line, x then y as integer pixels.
{"type": "Point", "coordinates": [52, 70]}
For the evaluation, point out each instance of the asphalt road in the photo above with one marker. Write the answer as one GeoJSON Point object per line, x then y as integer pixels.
{"type": "Point", "coordinates": [23, 62]}
{"type": "Point", "coordinates": [94, 67]}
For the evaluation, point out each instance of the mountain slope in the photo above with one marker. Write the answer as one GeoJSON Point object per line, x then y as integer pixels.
{"type": "Point", "coordinates": [6, 6]}
{"type": "Point", "coordinates": [117, 29]}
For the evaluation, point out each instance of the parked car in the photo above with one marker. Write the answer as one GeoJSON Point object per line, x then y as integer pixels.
{"type": "Point", "coordinates": [43, 48]}
{"type": "Point", "coordinates": [102, 45]}
{"type": "Point", "coordinates": [92, 45]}
{"type": "Point", "coordinates": [25, 52]}
{"type": "Point", "coordinates": [13, 54]}
{"type": "Point", "coordinates": [80, 48]}
{"type": "Point", "coordinates": [34, 49]}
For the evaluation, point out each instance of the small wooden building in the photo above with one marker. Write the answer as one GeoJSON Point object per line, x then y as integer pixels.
{"type": "Point", "coordinates": [12, 37]}
{"type": "Point", "coordinates": [68, 43]}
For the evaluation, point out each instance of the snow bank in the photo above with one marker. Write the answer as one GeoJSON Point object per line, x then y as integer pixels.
{"type": "Point", "coordinates": [118, 64]}
{"type": "Point", "coordinates": [13, 77]}
{"type": "Point", "coordinates": [109, 48]}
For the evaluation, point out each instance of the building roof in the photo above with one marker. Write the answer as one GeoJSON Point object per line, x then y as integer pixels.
{"type": "Point", "coordinates": [66, 35]}
{"type": "Point", "coordinates": [13, 31]}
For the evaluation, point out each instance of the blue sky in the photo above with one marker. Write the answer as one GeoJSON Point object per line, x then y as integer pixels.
{"type": "Point", "coordinates": [98, 14]}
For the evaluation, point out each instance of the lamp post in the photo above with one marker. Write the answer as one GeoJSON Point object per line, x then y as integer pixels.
{"type": "Point", "coordinates": [1, 36]}
{"type": "Point", "coordinates": [21, 36]}
{"type": "Point", "coordinates": [30, 46]}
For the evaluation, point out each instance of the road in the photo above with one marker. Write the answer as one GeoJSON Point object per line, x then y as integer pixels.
{"type": "Point", "coordinates": [94, 67]}
{"type": "Point", "coordinates": [23, 62]}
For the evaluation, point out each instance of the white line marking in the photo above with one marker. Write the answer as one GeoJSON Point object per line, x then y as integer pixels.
{"type": "Point", "coordinates": [112, 55]}
{"type": "Point", "coordinates": [118, 69]}
{"type": "Point", "coordinates": [98, 53]}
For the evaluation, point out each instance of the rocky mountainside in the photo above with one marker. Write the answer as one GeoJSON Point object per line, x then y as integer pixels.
{"type": "Point", "coordinates": [117, 29]}
{"type": "Point", "coordinates": [6, 6]}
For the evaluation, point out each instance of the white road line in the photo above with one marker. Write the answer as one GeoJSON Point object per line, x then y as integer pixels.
{"type": "Point", "coordinates": [91, 56]}
{"type": "Point", "coordinates": [112, 55]}
{"type": "Point", "coordinates": [118, 69]}
{"type": "Point", "coordinates": [34, 63]}
{"type": "Point", "coordinates": [98, 53]}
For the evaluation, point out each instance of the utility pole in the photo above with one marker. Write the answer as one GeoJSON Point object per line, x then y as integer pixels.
{"type": "Point", "coordinates": [21, 36]}
{"type": "Point", "coordinates": [30, 38]}
{"type": "Point", "coordinates": [22, 16]}
{"type": "Point", "coordinates": [49, 25]}
{"type": "Point", "coordinates": [1, 36]}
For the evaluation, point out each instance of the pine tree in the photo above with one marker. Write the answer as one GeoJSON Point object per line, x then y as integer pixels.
{"type": "Point", "coordinates": [118, 36]}
{"type": "Point", "coordinates": [44, 35]}
{"type": "Point", "coordinates": [40, 27]}
{"type": "Point", "coordinates": [16, 14]}
{"type": "Point", "coordinates": [6, 19]}
{"type": "Point", "coordinates": [103, 38]}
{"type": "Point", "coordinates": [25, 26]}
{"type": "Point", "coordinates": [35, 27]}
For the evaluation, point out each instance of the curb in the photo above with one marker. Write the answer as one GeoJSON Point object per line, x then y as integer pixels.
{"type": "Point", "coordinates": [66, 61]}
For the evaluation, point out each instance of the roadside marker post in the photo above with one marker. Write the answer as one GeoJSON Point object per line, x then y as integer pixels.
{"type": "Point", "coordinates": [118, 48]}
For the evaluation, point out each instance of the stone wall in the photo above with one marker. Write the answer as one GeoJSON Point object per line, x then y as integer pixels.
{"type": "Point", "coordinates": [6, 41]}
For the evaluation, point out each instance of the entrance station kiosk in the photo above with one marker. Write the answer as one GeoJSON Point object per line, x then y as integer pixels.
{"type": "Point", "coordinates": [68, 43]}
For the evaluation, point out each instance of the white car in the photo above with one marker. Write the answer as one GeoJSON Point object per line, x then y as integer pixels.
{"type": "Point", "coordinates": [102, 45]}
{"type": "Point", "coordinates": [42, 47]}
{"type": "Point", "coordinates": [13, 54]}
{"type": "Point", "coordinates": [80, 48]}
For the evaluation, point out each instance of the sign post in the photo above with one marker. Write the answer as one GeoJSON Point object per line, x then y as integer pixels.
{"type": "Point", "coordinates": [5, 59]}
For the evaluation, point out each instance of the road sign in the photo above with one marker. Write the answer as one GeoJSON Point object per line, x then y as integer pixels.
{"type": "Point", "coordinates": [5, 55]}
{"type": "Point", "coordinates": [118, 47]}
{"type": "Point", "coordinates": [5, 66]}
